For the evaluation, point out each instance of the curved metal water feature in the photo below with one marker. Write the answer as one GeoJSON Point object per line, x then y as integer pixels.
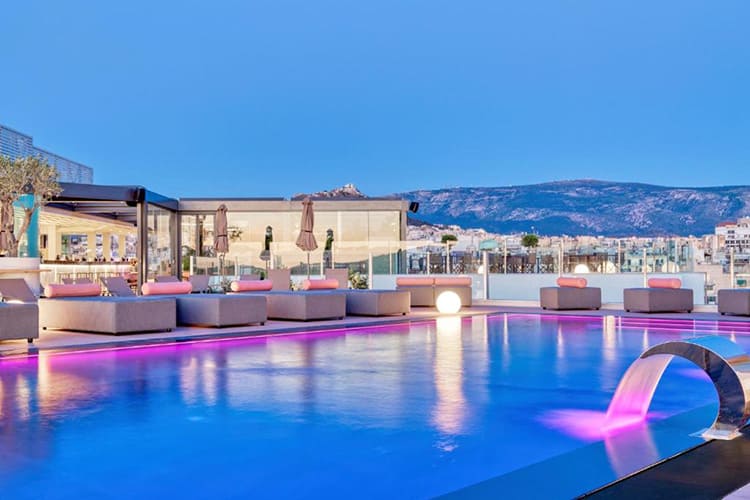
{"type": "Point", "coordinates": [725, 362]}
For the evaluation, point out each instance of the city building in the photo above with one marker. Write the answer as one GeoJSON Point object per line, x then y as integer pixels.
{"type": "Point", "coordinates": [16, 144]}
{"type": "Point", "coordinates": [734, 235]}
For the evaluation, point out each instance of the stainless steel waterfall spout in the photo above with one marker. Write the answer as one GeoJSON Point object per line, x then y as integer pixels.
{"type": "Point", "coordinates": [728, 366]}
{"type": "Point", "coordinates": [725, 362]}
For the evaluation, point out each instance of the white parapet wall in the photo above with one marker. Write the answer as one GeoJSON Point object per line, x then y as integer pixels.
{"type": "Point", "coordinates": [525, 287]}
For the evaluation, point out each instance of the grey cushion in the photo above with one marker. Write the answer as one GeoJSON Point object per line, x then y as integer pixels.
{"type": "Point", "coordinates": [561, 297]}
{"type": "Point", "coordinates": [113, 315]}
{"type": "Point", "coordinates": [117, 286]}
{"type": "Point", "coordinates": [306, 306]}
{"type": "Point", "coordinates": [19, 321]}
{"type": "Point", "coordinates": [658, 299]}
{"type": "Point", "coordinates": [734, 301]}
{"type": "Point", "coordinates": [377, 302]}
{"type": "Point", "coordinates": [221, 310]}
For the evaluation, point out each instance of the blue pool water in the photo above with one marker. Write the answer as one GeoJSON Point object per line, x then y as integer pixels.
{"type": "Point", "coordinates": [411, 410]}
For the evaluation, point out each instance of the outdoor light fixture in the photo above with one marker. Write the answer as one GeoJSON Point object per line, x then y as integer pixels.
{"type": "Point", "coordinates": [448, 302]}
{"type": "Point", "coordinates": [581, 269]}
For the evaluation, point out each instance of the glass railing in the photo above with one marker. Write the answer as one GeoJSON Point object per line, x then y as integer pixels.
{"type": "Point", "coordinates": [378, 263]}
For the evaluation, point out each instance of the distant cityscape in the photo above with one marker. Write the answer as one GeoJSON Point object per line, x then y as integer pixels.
{"type": "Point", "coordinates": [723, 255]}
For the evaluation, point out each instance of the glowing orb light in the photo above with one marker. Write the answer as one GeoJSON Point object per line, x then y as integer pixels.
{"type": "Point", "coordinates": [448, 302]}
{"type": "Point", "coordinates": [581, 269]}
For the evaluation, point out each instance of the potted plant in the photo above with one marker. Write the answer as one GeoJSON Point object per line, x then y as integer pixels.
{"type": "Point", "coordinates": [28, 183]}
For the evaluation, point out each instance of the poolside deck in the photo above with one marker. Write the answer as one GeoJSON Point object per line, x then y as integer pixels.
{"type": "Point", "coordinates": [66, 340]}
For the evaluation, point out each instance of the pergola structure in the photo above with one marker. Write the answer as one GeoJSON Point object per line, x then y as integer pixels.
{"type": "Point", "coordinates": [122, 205]}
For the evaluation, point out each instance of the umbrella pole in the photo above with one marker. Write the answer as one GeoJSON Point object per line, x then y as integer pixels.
{"type": "Point", "coordinates": [221, 269]}
{"type": "Point", "coordinates": [308, 265]}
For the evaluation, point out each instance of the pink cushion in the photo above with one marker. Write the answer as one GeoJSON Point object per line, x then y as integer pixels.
{"type": "Point", "coordinates": [452, 281]}
{"type": "Point", "coordinates": [664, 283]}
{"type": "Point", "coordinates": [77, 290]}
{"type": "Point", "coordinates": [320, 284]}
{"type": "Point", "coordinates": [415, 281]}
{"type": "Point", "coordinates": [166, 288]}
{"type": "Point", "coordinates": [571, 282]}
{"type": "Point", "coordinates": [251, 285]}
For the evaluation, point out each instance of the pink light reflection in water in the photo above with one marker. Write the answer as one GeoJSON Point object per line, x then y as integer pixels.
{"type": "Point", "coordinates": [170, 345]}
{"type": "Point", "coordinates": [592, 425]}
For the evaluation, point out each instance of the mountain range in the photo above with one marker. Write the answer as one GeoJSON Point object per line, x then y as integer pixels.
{"type": "Point", "coordinates": [573, 208]}
{"type": "Point", "coordinates": [584, 207]}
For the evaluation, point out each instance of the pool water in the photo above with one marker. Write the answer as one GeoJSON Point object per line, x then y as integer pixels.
{"type": "Point", "coordinates": [408, 410]}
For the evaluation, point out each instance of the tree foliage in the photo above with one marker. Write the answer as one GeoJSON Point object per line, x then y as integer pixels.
{"type": "Point", "coordinates": [530, 241]}
{"type": "Point", "coordinates": [23, 176]}
{"type": "Point", "coordinates": [448, 238]}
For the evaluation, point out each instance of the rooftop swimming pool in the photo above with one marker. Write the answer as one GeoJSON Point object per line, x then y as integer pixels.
{"type": "Point", "coordinates": [407, 410]}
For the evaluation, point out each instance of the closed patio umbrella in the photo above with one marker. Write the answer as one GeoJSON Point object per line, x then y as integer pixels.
{"type": "Point", "coordinates": [306, 239]}
{"type": "Point", "coordinates": [6, 227]}
{"type": "Point", "coordinates": [265, 254]}
{"type": "Point", "coordinates": [221, 241]}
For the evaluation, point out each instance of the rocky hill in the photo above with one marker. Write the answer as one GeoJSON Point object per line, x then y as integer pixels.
{"type": "Point", "coordinates": [587, 207]}
{"type": "Point", "coordinates": [346, 191]}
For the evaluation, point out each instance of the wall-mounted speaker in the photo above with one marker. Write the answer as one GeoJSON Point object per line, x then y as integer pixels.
{"type": "Point", "coordinates": [413, 206]}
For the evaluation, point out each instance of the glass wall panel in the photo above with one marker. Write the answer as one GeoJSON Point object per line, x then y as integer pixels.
{"type": "Point", "coordinates": [356, 235]}
{"type": "Point", "coordinates": [159, 260]}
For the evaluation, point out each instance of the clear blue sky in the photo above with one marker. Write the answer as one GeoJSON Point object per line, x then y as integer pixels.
{"type": "Point", "coordinates": [271, 98]}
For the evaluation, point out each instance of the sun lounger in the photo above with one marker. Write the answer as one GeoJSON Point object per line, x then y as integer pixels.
{"type": "Point", "coordinates": [426, 289]}
{"type": "Point", "coordinates": [17, 290]}
{"type": "Point", "coordinates": [377, 302]}
{"type": "Point", "coordinates": [306, 306]}
{"type": "Point", "coordinates": [663, 295]}
{"type": "Point", "coordinates": [19, 313]}
{"type": "Point", "coordinates": [79, 307]}
{"type": "Point", "coordinates": [113, 315]}
{"type": "Point", "coordinates": [19, 321]}
{"type": "Point", "coordinates": [217, 310]}
{"type": "Point", "coordinates": [571, 293]}
{"type": "Point", "coordinates": [117, 286]}
{"type": "Point", "coordinates": [734, 301]}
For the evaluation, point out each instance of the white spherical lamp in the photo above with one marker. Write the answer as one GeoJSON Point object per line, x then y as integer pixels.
{"type": "Point", "coordinates": [448, 302]}
{"type": "Point", "coordinates": [581, 269]}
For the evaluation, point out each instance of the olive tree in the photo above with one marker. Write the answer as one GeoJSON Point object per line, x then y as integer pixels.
{"type": "Point", "coordinates": [30, 175]}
